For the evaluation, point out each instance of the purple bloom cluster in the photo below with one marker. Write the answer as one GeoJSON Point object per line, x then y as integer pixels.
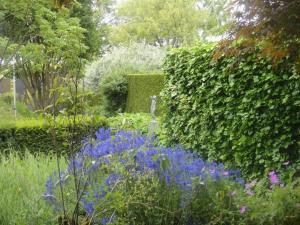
{"type": "Point", "coordinates": [138, 155]}
{"type": "Point", "coordinates": [180, 166]}
{"type": "Point", "coordinates": [107, 144]}
{"type": "Point", "coordinates": [49, 195]}
{"type": "Point", "coordinates": [273, 178]}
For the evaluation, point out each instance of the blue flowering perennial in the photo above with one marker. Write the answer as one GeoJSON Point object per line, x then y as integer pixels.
{"type": "Point", "coordinates": [104, 163]}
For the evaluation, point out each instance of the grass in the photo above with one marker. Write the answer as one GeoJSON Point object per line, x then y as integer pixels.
{"type": "Point", "coordinates": [7, 115]}
{"type": "Point", "coordinates": [22, 184]}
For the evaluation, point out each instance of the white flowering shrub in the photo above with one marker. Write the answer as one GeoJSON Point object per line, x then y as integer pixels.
{"type": "Point", "coordinates": [135, 58]}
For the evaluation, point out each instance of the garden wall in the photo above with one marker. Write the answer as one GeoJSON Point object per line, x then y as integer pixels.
{"type": "Point", "coordinates": [241, 110]}
{"type": "Point", "coordinates": [140, 88]}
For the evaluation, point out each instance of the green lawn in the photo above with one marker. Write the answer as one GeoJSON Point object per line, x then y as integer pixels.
{"type": "Point", "coordinates": [7, 118]}
{"type": "Point", "coordinates": [6, 115]}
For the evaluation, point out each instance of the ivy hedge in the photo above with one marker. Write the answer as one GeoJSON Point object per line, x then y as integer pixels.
{"type": "Point", "coordinates": [140, 88]}
{"type": "Point", "coordinates": [36, 136]}
{"type": "Point", "coordinates": [241, 110]}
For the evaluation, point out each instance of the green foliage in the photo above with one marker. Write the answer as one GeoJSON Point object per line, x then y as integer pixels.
{"type": "Point", "coordinates": [24, 111]}
{"type": "Point", "coordinates": [48, 45]}
{"type": "Point", "coordinates": [218, 18]}
{"type": "Point", "coordinates": [239, 110]}
{"type": "Point", "coordinates": [37, 135]}
{"type": "Point", "coordinates": [146, 200]}
{"type": "Point", "coordinates": [6, 111]}
{"type": "Point", "coordinates": [163, 22]}
{"type": "Point", "coordinates": [140, 88]}
{"type": "Point", "coordinates": [131, 121]}
{"type": "Point", "coordinates": [123, 60]}
{"type": "Point", "coordinates": [107, 76]}
{"type": "Point", "coordinates": [6, 98]}
{"type": "Point", "coordinates": [22, 186]}
{"type": "Point", "coordinates": [277, 206]}
{"type": "Point", "coordinates": [153, 202]}
{"type": "Point", "coordinates": [114, 91]}
{"type": "Point", "coordinates": [84, 11]}
{"type": "Point", "coordinates": [72, 101]}
{"type": "Point", "coordinates": [6, 118]}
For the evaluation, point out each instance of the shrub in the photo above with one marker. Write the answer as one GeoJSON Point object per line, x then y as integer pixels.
{"type": "Point", "coordinates": [107, 75]}
{"type": "Point", "coordinates": [279, 202]}
{"type": "Point", "coordinates": [131, 181]}
{"type": "Point", "coordinates": [240, 110]}
{"type": "Point", "coordinates": [114, 90]}
{"type": "Point", "coordinates": [36, 135]}
{"type": "Point", "coordinates": [131, 121]}
{"type": "Point", "coordinates": [140, 88]}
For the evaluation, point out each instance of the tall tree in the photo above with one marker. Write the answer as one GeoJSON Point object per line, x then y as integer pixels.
{"type": "Point", "coordinates": [90, 13]}
{"type": "Point", "coordinates": [218, 18]}
{"type": "Point", "coordinates": [49, 43]}
{"type": "Point", "coordinates": [272, 25]}
{"type": "Point", "coordinates": [158, 22]}
{"type": "Point", "coordinates": [84, 11]}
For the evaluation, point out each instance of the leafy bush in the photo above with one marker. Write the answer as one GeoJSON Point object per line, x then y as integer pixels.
{"type": "Point", "coordinates": [107, 74]}
{"type": "Point", "coordinates": [36, 135]}
{"type": "Point", "coordinates": [130, 121]}
{"type": "Point", "coordinates": [131, 181]}
{"type": "Point", "coordinates": [114, 88]}
{"type": "Point", "coordinates": [79, 103]}
{"type": "Point", "coordinates": [240, 110]}
{"type": "Point", "coordinates": [140, 88]}
{"type": "Point", "coordinates": [278, 202]}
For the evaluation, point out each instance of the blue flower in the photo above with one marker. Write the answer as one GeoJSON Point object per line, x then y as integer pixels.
{"type": "Point", "coordinates": [49, 186]}
{"type": "Point", "coordinates": [136, 155]}
{"type": "Point", "coordinates": [88, 206]}
{"type": "Point", "coordinates": [104, 221]}
{"type": "Point", "coordinates": [112, 179]}
{"type": "Point", "coordinates": [103, 134]}
{"type": "Point", "coordinates": [76, 163]}
{"type": "Point", "coordinates": [240, 181]}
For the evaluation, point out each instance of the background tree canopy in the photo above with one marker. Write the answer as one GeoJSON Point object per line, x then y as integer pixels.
{"type": "Point", "coordinates": [48, 39]}
{"type": "Point", "coordinates": [49, 44]}
{"type": "Point", "coordinates": [168, 22]}
{"type": "Point", "coordinates": [272, 25]}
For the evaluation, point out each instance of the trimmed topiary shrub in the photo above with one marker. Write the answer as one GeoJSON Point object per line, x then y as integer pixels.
{"type": "Point", "coordinates": [240, 110]}
{"type": "Point", "coordinates": [107, 75]}
{"type": "Point", "coordinates": [140, 88]}
{"type": "Point", "coordinates": [37, 137]}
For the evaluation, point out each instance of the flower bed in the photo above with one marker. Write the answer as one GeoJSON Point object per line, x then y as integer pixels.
{"type": "Point", "coordinates": [126, 179]}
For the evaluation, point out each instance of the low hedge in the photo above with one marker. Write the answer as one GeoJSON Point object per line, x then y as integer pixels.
{"type": "Point", "coordinates": [140, 88]}
{"type": "Point", "coordinates": [37, 136]}
{"type": "Point", "coordinates": [241, 110]}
